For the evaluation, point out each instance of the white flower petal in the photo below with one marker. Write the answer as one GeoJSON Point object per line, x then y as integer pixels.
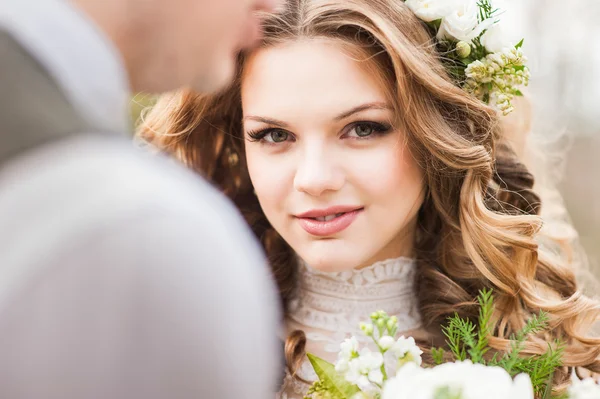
{"type": "Point", "coordinates": [473, 380]}
{"type": "Point", "coordinates": [461, 23]}
{"type": "Point", "coordinates": [584, 389]}
{"type": "Point", "coordinates": [376, 376]}
{"type": "Point", "coordinates": [496, 39]}
{"type": "Point", "coordinates": [342, 366]}
{"type": "Point", "coordinates": [430, 10]}
{"type": "Point", "coordinates": [363, 383]}
{"type": "Point", "coordinates": [386, 342]}
{"type": "Point", "coordinates": [522, 387]}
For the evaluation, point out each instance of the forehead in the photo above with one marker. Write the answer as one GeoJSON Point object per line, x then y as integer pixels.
{"type": "Point", "coordinates": [316, 75]}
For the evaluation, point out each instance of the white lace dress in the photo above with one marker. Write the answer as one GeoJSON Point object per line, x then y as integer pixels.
{"type": "Point", "coordinates": [330, 306]}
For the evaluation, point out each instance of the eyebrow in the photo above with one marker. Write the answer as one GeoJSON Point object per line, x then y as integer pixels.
{"type": "Point", "coordinates": [360, 108]}
{"type": "Point", "coordinates": [268, 121]}
{"type": "Point", "coordinates": [340, 117]}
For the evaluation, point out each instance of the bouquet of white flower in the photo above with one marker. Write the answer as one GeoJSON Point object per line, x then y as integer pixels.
{"type": "Point", "coordinates": [465, 380]}
{"type": "Point", "coordinates": [395, 371]}
{"type": "Point", "coordinates": [476, 49]}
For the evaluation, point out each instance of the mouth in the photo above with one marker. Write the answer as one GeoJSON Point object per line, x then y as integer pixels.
{"type": "Point", "coordinates": [328, 217]}
{"type": "Point", "coordinates": [328, 222]}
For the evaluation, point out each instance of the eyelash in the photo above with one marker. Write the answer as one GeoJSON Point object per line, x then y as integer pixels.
{"type": "Point", "coordinates": [379, 129]}
{"type": "Point", "coordinates": [259, 135]}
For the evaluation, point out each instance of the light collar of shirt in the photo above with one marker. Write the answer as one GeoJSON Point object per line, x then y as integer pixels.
{"type": "Point", "coordinates": [80, 57]}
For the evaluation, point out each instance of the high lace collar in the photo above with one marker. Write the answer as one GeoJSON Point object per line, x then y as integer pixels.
{"type": "Point", "coordinates": [340, 301]}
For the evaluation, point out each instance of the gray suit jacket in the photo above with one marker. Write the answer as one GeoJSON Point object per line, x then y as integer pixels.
{"type": "Point", "coordinates": [33, 109]}
{"type": "Point", "coordinates": [121, 275]}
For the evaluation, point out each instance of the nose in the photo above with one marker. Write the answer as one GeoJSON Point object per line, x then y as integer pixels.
{"type": "Point", "coordinates": [318, 174]}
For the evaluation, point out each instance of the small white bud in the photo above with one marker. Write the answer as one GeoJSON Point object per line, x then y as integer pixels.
{"type": "Point", "coordinates": [463, 49]}
{"type": "Point", "coordinates": [392, 322]}
{"type": "Point", "coordinates": [367, 329]}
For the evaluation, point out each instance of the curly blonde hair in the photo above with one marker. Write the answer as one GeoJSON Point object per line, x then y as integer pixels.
{"type": "Point", "coordinates": [477, 226]}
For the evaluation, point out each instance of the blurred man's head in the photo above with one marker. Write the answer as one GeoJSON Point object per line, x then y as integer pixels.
{"type": "Point", "coordinates": [167, 44]}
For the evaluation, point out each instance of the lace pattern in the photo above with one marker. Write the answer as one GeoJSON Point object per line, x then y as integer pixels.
{"type": "Point", "coordinates": [329, 306]}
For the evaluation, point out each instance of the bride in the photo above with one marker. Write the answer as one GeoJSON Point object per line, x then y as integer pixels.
{"type": "Point", "coordinates": [373, 182]}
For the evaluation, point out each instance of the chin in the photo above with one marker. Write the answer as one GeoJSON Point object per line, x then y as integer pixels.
{"type": "Point", "coordinates": [327, 267]}
{"type": "Point", "coordinates": [331, 260]}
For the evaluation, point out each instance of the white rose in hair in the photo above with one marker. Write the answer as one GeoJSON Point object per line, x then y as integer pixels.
{"type": "Point", "coordinates": [496, 38]}
{"type": "Point", "coordinates": [430, 10]}
{"type": "Point", "coordinates": [462, 23]}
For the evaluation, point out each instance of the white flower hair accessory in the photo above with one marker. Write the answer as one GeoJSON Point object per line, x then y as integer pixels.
{"type": "Point", "coordinates": [476, 50]}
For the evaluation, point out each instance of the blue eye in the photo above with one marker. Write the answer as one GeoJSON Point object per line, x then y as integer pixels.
{"type": "Point", "coordinates": [363, 130]}
{"type": "Point", "coordinates": [276, 136]}
{"type": "Point", "coordinates": [367, 129]}
{"type": "Point", "coordinates": [270, 136]}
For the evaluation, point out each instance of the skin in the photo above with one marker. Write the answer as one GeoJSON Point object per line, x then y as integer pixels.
{"type": "Point", "coordinates": [319, 133]}
{"type": "Point", "coordinates": [169, 44]}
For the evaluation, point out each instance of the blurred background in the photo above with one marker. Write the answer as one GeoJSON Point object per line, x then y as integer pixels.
{"type": "Point", "coordinates": [563, 128]}
{"type": "Point", "coordinates": [564, 52]}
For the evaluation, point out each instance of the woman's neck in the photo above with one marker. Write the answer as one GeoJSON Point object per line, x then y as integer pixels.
{"type": "Point", "coordinates": [339, 301]}
{"type": "Point", "coordinates": [402, 246]}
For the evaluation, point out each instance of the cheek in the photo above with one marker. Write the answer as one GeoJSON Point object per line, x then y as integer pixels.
{"type": "Point", "coordinates": [390, 174]}
{"type": "Point", "coordinates": [270, 178]}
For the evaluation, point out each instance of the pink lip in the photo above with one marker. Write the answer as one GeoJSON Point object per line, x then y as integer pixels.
{"type": "Point", "coordinates": [317, 213]}
{"type": "Point", "coordinates": [331, 227]}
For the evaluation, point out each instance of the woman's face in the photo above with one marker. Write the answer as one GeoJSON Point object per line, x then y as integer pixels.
{"type": "Point", "coordinates": [332, 174]}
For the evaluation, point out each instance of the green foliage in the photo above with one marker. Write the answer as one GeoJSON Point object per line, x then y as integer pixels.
{"type": "Point", "coordinates": [486, 309]}
{"type": "Point", "coordinates": [461, 336]}
{"type": "Point", "coordinates": [540, 368]}
{"type": "Point", "coordinates": [520, 44]}
{"type": "Point", "coordinates": [478, 50]}
{"type": "Point", "coordinates": [469, 341]}
{"type": "Point", "coordinates": [331, 385]}
{"type": "Point", "coordinates": [537, 323]}
{"type": "Point", "coordinates": [438, 355]}
{"type": "Point", "coordinates": [318, 390]}
{"type": "Point", "coordinates": [486, 11]}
